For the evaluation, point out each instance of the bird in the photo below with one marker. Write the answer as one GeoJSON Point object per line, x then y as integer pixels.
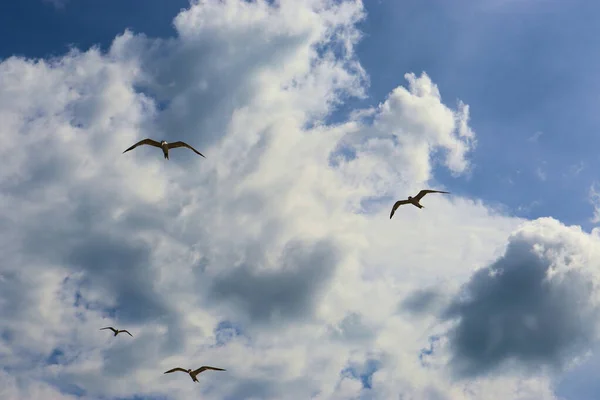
{"type": "Point", "coordinates": [195, 373]}
{"type": "Point", "coordinates": [117, 331]}
{"type": "Point", "coordinates": [414, 200]}
{"type": "Point", "coordinates": [164, 146]}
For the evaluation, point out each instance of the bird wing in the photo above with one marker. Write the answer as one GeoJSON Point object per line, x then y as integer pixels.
{"type": "Point", "coordinates": [205, 367]}
{"type": "Point", "coordinates": [176, 369]}
{"type": "Point", "coordinates": [145, 141]}
{"type": "Point", "coordinates": [396, 205]}
{"type": "Point", "coordinates": [423, 192]}
{"type": "Point", "coordinates": [109, 327]}
{"type": "Point", "coordinates": [126, 331]}
{"type": "Point", "coordinates": [174, 145]}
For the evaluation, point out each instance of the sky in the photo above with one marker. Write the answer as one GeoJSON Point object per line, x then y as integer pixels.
{"type": "Point", "coordinates": [275, 257]}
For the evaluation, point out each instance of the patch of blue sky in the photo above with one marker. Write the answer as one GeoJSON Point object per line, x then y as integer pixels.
{"type": "Point", "coordinates": [33, 28]}
{"type": "Point", "coordinates": [581, 382]}
{"type": "Point", "coordinates": [426, 352]}
{"type": "Point", "coordinates": [524, 68]}
{"type": "Point", "coordinates": [363, 372]}
{"type": "Point", "coordinates": [226, 331]}
{"type": "Point", "coordinates": [56, 357]}
{"type": "Point", "coordinates": [74, 286]}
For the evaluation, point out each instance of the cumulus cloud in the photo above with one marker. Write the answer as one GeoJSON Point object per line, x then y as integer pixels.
{"type": "Point", "coordinates": [273, 257]}
{"type": "Point", "coordinates": [536, 306]}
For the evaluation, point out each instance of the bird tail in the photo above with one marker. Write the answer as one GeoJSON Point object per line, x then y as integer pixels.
{"type": "Point", "coordinates": [167, 156]}
{"type": "Point", "coordinates": [418, 205]}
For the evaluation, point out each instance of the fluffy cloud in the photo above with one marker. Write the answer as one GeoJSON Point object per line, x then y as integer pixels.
{"type": "Point", "coordinates": [273, 257]}
{"type": "Point", "coordinates": [537, 305]}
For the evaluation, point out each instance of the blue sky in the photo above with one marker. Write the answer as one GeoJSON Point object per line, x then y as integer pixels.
{"type": "Point", "coordinates": [523, 68]}
{"type": "Point", "coordinates": [527, 70]}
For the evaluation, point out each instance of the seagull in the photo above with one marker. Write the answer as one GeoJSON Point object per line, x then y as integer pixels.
{"type": "Point", "coordinates": [413, 200]}
{"type": "Point", "coordinates": [195, 373]}
{"type": "Point", "coordinates": [116, 331]}
{"type": "Point", "coordinates": [164, 146]}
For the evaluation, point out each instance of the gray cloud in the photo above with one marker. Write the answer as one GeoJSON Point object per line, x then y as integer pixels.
{"type": "Point", "coordinates": [422, 301]}
{"type": "Point", "coordinates": [513, 312]}
{"type": "Point", "coordinates": [286, 293]}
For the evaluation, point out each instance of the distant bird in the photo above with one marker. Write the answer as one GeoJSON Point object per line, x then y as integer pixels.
{"type": "Point", "coordinates": [164, 146]}
{"type": "Point", "coordinates": [195, 373]}
{"type": "Point", "coordinates": [413, 200]}
{"type": "Point", "coordinates": [116, 331]}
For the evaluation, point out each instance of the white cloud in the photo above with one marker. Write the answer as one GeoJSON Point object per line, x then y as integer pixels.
{"type": "Point", "coordinates": [535, 137]}
{"type": "Point", "coordinates": [274, 257]}
{"type": "Point", "coordinates": [595, 200]}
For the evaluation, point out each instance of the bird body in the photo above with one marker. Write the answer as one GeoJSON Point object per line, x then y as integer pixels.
{"type": "Point", "coordinates": [414, 200]}
{"type": "Point", "coordinates": [194, 374]}
{"type": "Point", "coordinates": [117, 331]}
{"type": "Point", "coordinates": [164, 146]}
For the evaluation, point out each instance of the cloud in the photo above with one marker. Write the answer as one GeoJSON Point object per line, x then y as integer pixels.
{"type": "Point", "coordinates": [422, 301]}
{"type": "Point", "coordinates": [273, 257]}
{"type": "Point", "coordinates": [287, 292]}
{"type": "Point", "coordinates": [595, 201]}
{"type": "Point", "coordinates": [536, 305]}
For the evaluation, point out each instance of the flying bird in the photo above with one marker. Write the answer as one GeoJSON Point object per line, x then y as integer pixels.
{"type": "Point", "coordinates": [413, 200]}
{"type": "Point", "coordinates": [164, 146]}
{"type": "Point", "coordinates": [116, 331]}
{"type": "Point", "coordinates": [195, 373]}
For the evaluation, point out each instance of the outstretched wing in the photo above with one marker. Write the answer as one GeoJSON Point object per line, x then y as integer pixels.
{"type": "Point", "coordinates": [423, 192]}
{"type": "Point", "coordinates": [127, 332]}
{"type": "Point", "coordinates": [205, 367]}
{"type": "Point", "coordinates": [175, 145]}
{"type": "Point", "coordinates": [396, 205]}
{"type": "Point", "coordinates": [176, 369]}
{"type": "Point", "coordinates": [145, 141]}
{"type": "Point", "coordinates": [109, 327]}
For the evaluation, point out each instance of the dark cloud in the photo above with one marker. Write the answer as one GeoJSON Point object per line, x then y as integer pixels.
{"type": "Point", "coordinates": [512, 312]}
{"type": "Point", "coordinates": [123, 268]}
{"type": "Point", "coordinates": [286, 293]}
{"type": "Point", "coordinates": [422, 301]}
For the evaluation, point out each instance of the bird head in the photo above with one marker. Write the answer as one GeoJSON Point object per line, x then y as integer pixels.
{"type": "Point", "coordinates": [163, 142]}
{"type": "Point", "coordinates": [410, 197]}
{"type": "Point", "coordinates": [189, 371]}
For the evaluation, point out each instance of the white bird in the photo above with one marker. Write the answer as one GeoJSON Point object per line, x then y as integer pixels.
{"type": "Point", "coordinates": [164, 146]}
{"type": "Point", "coordinates": [413, 200]}
{"type": "Point", "coordinates": [116, 331]}
{"type": "Point", "coordinates": [195, 373]}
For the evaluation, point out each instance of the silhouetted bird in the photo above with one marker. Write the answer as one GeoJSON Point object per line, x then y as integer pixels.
{"type": "Point", "coordinates": [116, 331]}
{"type": "Point", "coordinates": [413, 200]}
{"type": "Point", "coordinates": [195, 373]}
{"type": "Point", "coordinates": [164, 146]}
